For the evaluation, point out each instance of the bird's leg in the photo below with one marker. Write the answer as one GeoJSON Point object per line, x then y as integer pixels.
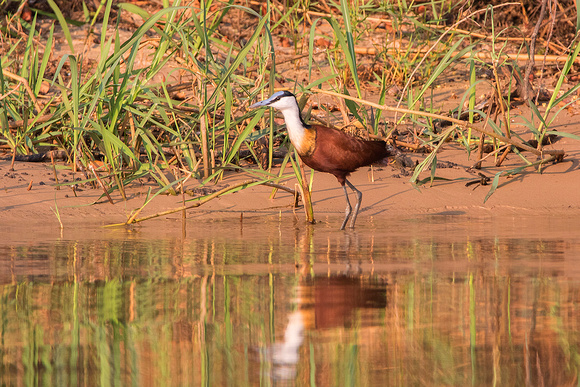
{"type": "Point", "coordinates": [348, 209]}
{"type": "Point", "coordinates": [357, 205]}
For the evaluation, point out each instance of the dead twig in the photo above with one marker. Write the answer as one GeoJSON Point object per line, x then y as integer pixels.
{"type": "Point", "coordinates": [14, 90]}
{"type": "Point", "coordinates": [552, 24]}
{"type": "Point", "coordinates": [296, 194]}
{"type": "Point", "coordinates": [134, 219]}
{"type": "Point", "coordinates": [92, 168]}
{"type": "Point", "coordinates": [291, 59]}
{"type": "Point", "coordinates": [206, 199]}
{"type": "Point", "coordinates": [531, 62]}
{"type": "Point", "coordinates": [477, 165]}
{"type": "Point", "coordinates": [482, 137]}
{"type": "Point", "coordinates": [501, 103]}
{"type": "Point", "coordinates": [24, 82]}
{"type": "Point", "coordinates": [481, 180]}
{"type": "Point", "coordinates": [282, 187]}
{"type": "Point", "coordinates": [556, 59]}
{"type": "Point", "coordinates": [20, 123]}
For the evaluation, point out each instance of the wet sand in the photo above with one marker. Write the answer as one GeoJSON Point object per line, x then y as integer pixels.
{"type": "Point", "coordinates": [28, 195]}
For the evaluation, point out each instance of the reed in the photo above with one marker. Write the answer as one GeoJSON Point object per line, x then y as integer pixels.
{"type": "Point", "coordinates": [124, 117]}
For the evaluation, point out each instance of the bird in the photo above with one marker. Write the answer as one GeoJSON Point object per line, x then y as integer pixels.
{"type": "Point", "coordinates": [326, 149]}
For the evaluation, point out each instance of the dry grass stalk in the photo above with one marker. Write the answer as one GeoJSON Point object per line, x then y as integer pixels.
{"type": "Point", "coordinates": [463, 124]}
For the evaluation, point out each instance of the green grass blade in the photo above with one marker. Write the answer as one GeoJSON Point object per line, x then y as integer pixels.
{"type": "Point", "coordinates": [564, 134]}
{"type": "Point", "coordinates": [577, 16]}
{"type": "Point", "coordinates": [63, 25]}
{"type": "Point", "coordinates": [44, 62]}
{"type": "Point", "coordinates": [132, 8]}
{"type": "Point", "coordinates": [239, 58]}
{"type": "Point", "coordinates": [429, 160]}
{"type": "Point", "coordinates": [242, 136]}
{"type": "Point", "coordinates": [562, 78]}
{"type": "Point", "coordinates": [349, 48]}
{"type": "Point", "coordinates": [494, 185]}
{"type": "Point", "coordinates": [29, 53]}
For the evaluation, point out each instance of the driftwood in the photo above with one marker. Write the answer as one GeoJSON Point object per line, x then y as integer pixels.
{"type": "Point", "coordinates": [40, 157]}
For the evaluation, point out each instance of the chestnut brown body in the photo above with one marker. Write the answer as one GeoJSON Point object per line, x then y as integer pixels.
{"type": "Point", "coordinates": [338, 153]}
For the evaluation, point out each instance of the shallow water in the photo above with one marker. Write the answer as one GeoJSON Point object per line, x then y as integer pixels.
{"type": "Point", "coordinates": [432, 300]}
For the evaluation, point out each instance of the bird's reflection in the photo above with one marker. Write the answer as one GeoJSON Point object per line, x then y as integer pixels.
{"type": "Point", "coordinates": [324, 302]}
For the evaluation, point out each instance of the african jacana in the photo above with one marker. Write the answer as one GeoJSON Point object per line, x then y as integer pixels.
{"type": "Point", "coordinates": [326, 149]}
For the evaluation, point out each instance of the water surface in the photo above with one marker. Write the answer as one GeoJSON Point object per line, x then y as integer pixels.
{"type": "Point", "coordinates": [432, 300]}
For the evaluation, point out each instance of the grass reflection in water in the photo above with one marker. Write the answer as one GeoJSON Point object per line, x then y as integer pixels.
{"type": "Point", "coordinates": [306, 304]}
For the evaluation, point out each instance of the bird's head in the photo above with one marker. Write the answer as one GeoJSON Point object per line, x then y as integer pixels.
{"type": "Point", "coordinates": [281, 100]}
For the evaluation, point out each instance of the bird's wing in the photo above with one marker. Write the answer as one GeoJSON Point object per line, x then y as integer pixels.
{"type": "Point", "coordinates": [338, 153]}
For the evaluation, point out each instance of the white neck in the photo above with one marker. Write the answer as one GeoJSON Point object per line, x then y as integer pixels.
{"type": "Point", "coordinates": [296, 130]}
